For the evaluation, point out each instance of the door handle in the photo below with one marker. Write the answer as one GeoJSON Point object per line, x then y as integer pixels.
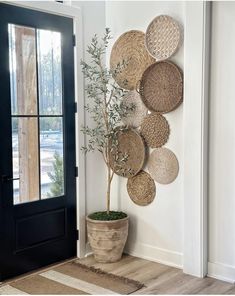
{"type": "Point", "coordinates": [8, 178]}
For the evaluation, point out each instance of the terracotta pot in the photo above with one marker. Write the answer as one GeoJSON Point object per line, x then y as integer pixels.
{"type": "Point", "coordinates": [107, 238]}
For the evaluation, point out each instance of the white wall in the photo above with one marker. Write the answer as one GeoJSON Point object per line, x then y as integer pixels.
{"type": "Point", "coordinates": [93, 15]}
{"type": "Point", "coordinates": [156, 231]}
{"type": "Point", "coordinates": [222, 143]}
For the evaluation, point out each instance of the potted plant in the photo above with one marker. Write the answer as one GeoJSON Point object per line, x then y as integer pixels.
{"type": "Point", "coordinates": [107, 230]}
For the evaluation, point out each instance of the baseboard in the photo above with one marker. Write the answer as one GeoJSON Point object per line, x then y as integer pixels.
{"type": "Point", "coordinates": [221, 272]}
{"type": "Point", "coordinates": [155, 254]}
{"type": "Point", "coordinates": [151, 253]}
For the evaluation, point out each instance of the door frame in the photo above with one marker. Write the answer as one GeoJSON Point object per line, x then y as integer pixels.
{"type": "Point", "coordinates": [195, 123]}
{"type": "Point", "coordinates": [76, 14]}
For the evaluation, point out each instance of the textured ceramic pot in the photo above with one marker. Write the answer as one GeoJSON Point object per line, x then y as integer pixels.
{"type": "Point", "coordinates": [107, 238]}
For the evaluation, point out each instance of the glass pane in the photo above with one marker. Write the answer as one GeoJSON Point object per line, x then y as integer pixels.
{"type": "Point", "coordinates": [51, 155]}
{"type": "Point", "coordinates": [49, 72]}
{"type": "Point", "coordinates": [23, 73]}
{"type": "Point", "coordinates": [25, 159]}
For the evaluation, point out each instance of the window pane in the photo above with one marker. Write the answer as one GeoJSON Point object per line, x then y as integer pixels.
{"type": "Point", "coordinates": [25, 159]}
{"type": "Point", "coordinates": [51, 154]}
{"type": "Point", "coordinates": [22, 58]}
{"type": "Point", "coordinates": [49, 72]}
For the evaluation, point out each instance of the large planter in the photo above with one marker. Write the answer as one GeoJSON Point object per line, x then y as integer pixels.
{"type": "Point", "coordinates": [107, 238]}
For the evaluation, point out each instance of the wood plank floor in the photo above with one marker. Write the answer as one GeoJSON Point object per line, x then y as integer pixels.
{"type": "Point", "coordinates": [161, 279]}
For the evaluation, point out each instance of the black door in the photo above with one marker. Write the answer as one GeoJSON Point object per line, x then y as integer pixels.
{"type": "Point", "coordinates": [37, 140]}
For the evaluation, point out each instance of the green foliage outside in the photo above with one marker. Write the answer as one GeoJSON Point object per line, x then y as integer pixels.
{"type": "Point", "coordinates": [57, 177]}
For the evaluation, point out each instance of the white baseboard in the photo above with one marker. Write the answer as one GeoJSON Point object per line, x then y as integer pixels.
{"type": "Point", "coordinates": [221, 272]}
{"type": "Point", "coordinates": [155, 254]}
{"type": "Point", "coordinates": [151, 253]}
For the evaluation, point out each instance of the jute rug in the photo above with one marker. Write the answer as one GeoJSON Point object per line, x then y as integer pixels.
{"type": "Point", "coordinates": [71, 278]}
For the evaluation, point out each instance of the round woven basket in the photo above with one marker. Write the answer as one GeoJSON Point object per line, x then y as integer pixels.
{"type": "Point", "coordinates": [130, 47]}
{"type": "Point", "coordinates": [141, 189]}
{"type": "Point", "coordinates": [155, 130]}
{"type": "Point", "coordinates": [135, 117]}
{"type": "Point", "coordinates": [130, 144]}
{"type": "Point", "coordinates": [161, 87]}
{"type": "Point", "coordinates": [163, 37]}
{"type": "Point", "coordinates": [163, 165]}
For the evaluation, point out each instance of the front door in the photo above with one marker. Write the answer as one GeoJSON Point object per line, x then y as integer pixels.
{"type": "Point", "coordinates": [37, 140]}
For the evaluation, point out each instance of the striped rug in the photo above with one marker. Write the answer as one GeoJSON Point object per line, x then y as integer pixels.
{"type": "Point", "coordinates": [71, 278]}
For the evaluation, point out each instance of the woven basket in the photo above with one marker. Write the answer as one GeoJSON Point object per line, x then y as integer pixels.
{"type": "Point", "coordinates": [163, 37]}
{"type": "Point", "coordinates": [161, 87]}
{"type": "Point", "coordinates": [155, 130]}
{"type": "Point", "coordinates": [163, 165]}
{"type": "Point", "coordinates": [135, 117]}
{"type": "Point", "coordinates": [130, 47]}
{"type": "Point", "coordinates": [130, 143]}
{"type": "Point", "coordinates": [141, 189]}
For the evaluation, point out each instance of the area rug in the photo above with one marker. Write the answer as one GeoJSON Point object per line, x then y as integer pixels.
{"type": "Point", "coordinates": [71, 278]}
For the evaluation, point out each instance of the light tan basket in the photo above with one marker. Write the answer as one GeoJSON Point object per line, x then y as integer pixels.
{"type": "Point", "coordinates": [134, 118]}
{"type": "Point", "coordinates": [161, 87]}
{"type": "Point", "coordinates": [155, 130]}
{"type": "Point", "coordinates": [163, 165]}
{"type": "Point", "coordinates": [163, 37]}
{"type": "Point", "coordinates": [130, 143]}
{"type": "Point", "coordinates": [130, 47]}
{"type": "Point", "coordinates": [141, 189]}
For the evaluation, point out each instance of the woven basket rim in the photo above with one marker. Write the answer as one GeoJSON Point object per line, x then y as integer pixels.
{"type": "Point", "coordinates": [116, 41]}
{"type": "Point", "coordinates": [167, 130]}
{"type": "Point", "coordinates": [143, 47]}
{"type": "Point", "coordinates": [143, 146]}
{"type": "Point", "coordinates": [153, 195]}
{"type": "Point", "coordinates": [134, 117]}
{"type": "Point", "coordinates": [170, 152]}
{"type": "Point", "coordinates": [178, 69]}
{"type": "Point", "coordinates": [145, 38]}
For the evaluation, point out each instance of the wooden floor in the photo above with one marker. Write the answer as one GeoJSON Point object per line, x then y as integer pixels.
{"type": "Point", "coordinates": [162, 279]}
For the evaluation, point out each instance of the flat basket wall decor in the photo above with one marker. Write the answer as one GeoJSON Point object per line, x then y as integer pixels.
{"type": "Point", "coordinates": [163, 37]}
{"type": "Point", "coordinates": [130, 47]}
{"type": "Point", "coordinates": [136, 116]}
{"type": "Point", "coordinates": [163, 165]}
{"type": "Point", "coordinates": [130, 144]}
{"type": "Point", "coordinates": [141, 189]}
{"type": "Point", "coordinates": [161, 87]}
{"type": "Point", "coordinates": [155, 130]}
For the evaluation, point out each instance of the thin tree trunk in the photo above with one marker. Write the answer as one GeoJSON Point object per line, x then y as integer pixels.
{"type": "Point", "coordinates": [108, 191]}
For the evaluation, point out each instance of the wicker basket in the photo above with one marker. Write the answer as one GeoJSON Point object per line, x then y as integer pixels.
{"type": "Point", "coordinates": [155, 130]}
{"type": "Point", "coordinates": [163, 37]}
{"type": "Point", "coordinates": [134, 118]}
{"type": "Point", "coordinates": [141, 189]}
{"type": "Point", "coordinates": [163, 165]}
{"type": "Point", "coordinates": [130, 144]}
{"type": "Point", "coordinates": [161, 87]}
{"type": "Point", "coordinates": [130, 47]}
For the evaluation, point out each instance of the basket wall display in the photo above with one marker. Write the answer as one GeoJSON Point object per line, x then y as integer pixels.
{"type": "Point", "coordinates": [130, 47]}
{"type": "Point", "coordinates": [163, 165]}
{"type": "Point", "coordinates": [141, 189]}
{"type": "Point", "coordinates": [163, 37]}
{"type": "Point", "coordinates": [130, 144]}
{"type": "Point", "coordinates": [154, 86]}
{"type": "Point", "coordinates": [136, 116]}
{"type": "Point", "coordinates": [155, 130]}
{"type": "Point", "coordinates": [161, 87]}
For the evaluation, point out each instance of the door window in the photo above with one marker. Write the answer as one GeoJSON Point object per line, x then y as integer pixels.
{"type": "Point", "coordinates": [37, 113]}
